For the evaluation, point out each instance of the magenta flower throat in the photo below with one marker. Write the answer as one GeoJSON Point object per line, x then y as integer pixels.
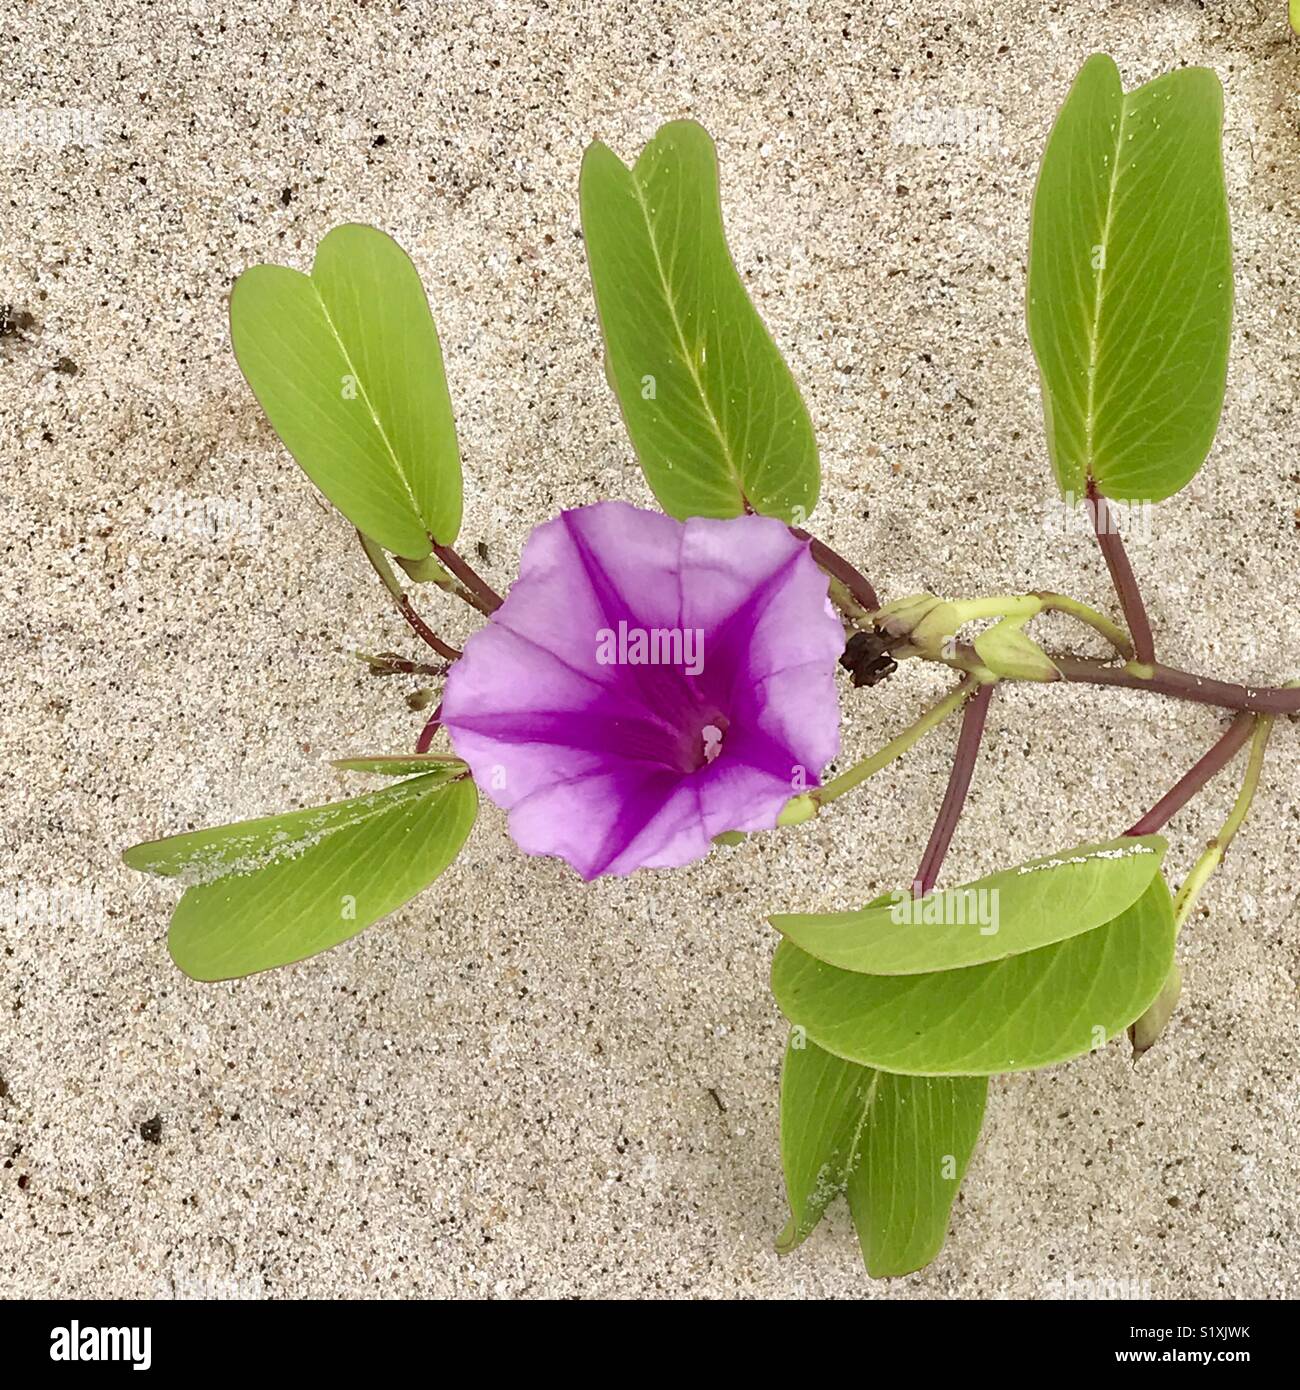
{"type": "Point", "coordinates": [649, 684]}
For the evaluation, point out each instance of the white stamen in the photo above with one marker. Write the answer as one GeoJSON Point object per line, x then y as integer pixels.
{"type": "Point", "coordinates": [712, 736]}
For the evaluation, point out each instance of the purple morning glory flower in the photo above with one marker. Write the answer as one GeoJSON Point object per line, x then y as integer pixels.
{"type": "Point", "coordinates": [648, 684]}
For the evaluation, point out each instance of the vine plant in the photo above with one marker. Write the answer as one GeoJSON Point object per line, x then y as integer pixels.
{"type": "Point", "coordinates": [656, 682]}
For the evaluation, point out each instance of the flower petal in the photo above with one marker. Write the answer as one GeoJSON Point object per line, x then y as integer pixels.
{"type": "Point", "coordinates": [615, 767]}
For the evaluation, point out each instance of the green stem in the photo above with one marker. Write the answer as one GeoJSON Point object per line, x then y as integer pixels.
{"type": "Point", "coordinates": [1213, 854]}
{"type": "Point", "coordinates": [391, 664]}
{"type": "Point", "coordinates": [974, 610]}
{"type": "Point", "coordinates": [812, 801]}
{"type": "Point", "coordinates": [1099, 622]}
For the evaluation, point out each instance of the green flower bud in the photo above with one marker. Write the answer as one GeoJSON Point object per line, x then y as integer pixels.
{"type": "Point", "coordinates": [1008, 652]}
{"type": "Point", "coordinates": [1148, 1028]}
{"type": "Point", "coordinates": [902, 615]}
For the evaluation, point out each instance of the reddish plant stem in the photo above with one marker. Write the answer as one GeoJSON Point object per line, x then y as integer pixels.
{"type": "Point", "coordinates": [380, 565]}
{"type": "Point", "coordinates": [488, 598]}
{"type": "Point", "coordinates": [1220, 755]}
{"type": "Point", "coordinates": [963, 766]}
{"type": "Point", "coordinates": [836, 565]}
{"type": "Point", "coordinates": [424, 631]}
{"type": "Point", "coordinates": [1121, 575]}
{"type": "Point", "coordinates": [390, 664]}
{"type": "Point", "coordinates": [430, 729]}
{"type": "Point", "coordinates": [1168, 680]}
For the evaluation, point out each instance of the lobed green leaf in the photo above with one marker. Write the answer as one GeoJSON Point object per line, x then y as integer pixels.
{"type": "Point", "coordinates": [1024, 1011]}
{"type": "Point", "coordinates": [267, 892]}
{"type": "Point", "coordinates": [1003, 914]}
{"type": "Point", "coordinates": [1130, 281]}
{"type": "Point", "coordinates": [896, 1146]}
{"type": "Point", "coordinates": [347, 365]}
{"type": "Point", "coordinates": [714, 414]}
{"type": "Point", "coordinates": [446, 765]}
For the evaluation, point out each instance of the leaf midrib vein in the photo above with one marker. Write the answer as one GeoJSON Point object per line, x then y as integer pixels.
{"type": "Point", "coordinates": [1094, 334]}
{"type": "Point", "coordinates": [688, 357]}
{"type": "Point", "coordinates": [365, 397]}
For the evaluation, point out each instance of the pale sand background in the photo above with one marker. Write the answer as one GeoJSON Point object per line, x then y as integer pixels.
{"type": "Point", "coordinates": [509, 1087]}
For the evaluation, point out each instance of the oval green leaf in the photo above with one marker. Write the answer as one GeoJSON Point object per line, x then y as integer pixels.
{"type": "Point", "coordinates": [1026, 1011]}
{"type": "Point", "coordinates": [712, 410]}
{"type": "Point", "coordinates": [1130, 281]}
{"type": "Point", "coordinates": [346, 363]}
{"type": "Point", "coordinates": [897, 1146]}
{"type": "Point", "coordinates": [279, 889]}
{"type": "Point", "coordinates": [1003, 914]}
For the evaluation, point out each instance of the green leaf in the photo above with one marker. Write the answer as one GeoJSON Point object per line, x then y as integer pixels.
{"type": "Point", "coordinates": [914, 1153]}
{"type": "Point", "coordinates": [1003, 914]}
{"type": "Point", "coordinates": [714, 414]}
{"type": "Point", "coordinates": [898, 1146]}
{"type": "Point", "coordinates": [824, 1101]}
{"type": "Point", "coordinates": [267, 892]}
{"type": "Point", "coordinates": [1130, 281]}
{"type": "Point", "coordinates": [1295, 15]}
{"type": "Point", "coordinates": [347, 366]}
{"type": "Point", "coordinates": [1029, 1010]}
{"type": "Point", "coordinates": [446, 765]}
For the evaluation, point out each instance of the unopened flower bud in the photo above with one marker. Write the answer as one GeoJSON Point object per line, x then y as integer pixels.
{"type": "Point", "coordinates": [1148, 1028]}
{"type": "Point", "coordinates": [1008, 652]}
{"type": "Point", "coordinates": [902, 615]}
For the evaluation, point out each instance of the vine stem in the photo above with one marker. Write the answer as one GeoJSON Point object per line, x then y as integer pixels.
{"type": "Point", "coordinates": [390, 664]}
{"type": "Point", "coordinates": [1213, 854]}
{"type": "Point", "coordinates": [954, 798]}
{"type": "Point", "coordinates": [857, 584]}
{"type": "Point", "coordinates": [1121, 575]}
{"type": "Point", "coordinates": [1210, 765]}
{"type": "Point", "coordinates": [379, 563]}
{"type": "Point", "coordinates": [894, 749]}
{"type": "Point", "coordinates": [488, 600]}
{"type": "Point", "coordinates": [1168, 680]}
{"type": "Point", "coordinates": [1099, 622]}
{"type": "Point", "coordinates": [430, 729]}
